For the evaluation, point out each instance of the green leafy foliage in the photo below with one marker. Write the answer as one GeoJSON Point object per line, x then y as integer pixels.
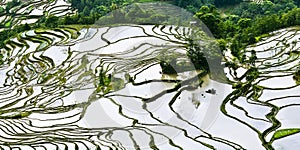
{"type": "Point", "coordinates": [133, 14]}
{"type": "Point", "coordinates": [106, 81]}
{"type": "Point", "coordinates": [192, 5]}
{"type": "Point", "coordinates": [6, 34]}
{"type": "Point", "coordinates": [51, 21]}
{"type": "Point", "coordinates": [1, 59]}
{"type": "Point", "coordinates": [252, 10]}
{"type": "Point", "coordinates": [211, 18]}
{"type": "Point", "coordinates": [2, 10]}
{"type": "Point", "coordinates": [284, 132]}
{"type": "Point", "coordinates": [297, 2]}
{"type": "Point", "coordinates": [10, 5]}
{"type": "Point", "coordinates": [104, 86]}
{"type": "Point", "coordinates": [220, 3]}
{"type": "Point", "coordinates": [99, 7]}
{"type": "Point", "coordinates": [246, 23]}
{"type": "Point", "coordinates": [18, 115]}
{"type": "Point", "coordinates": [296, 76]}
{"type": "Point", "coordinates": [197, 56]}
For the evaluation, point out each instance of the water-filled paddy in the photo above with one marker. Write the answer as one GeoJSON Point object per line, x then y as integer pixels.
{"type": "Point", "coordinates": [104, 87]}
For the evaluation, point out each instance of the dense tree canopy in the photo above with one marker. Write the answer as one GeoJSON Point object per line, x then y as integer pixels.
{"type": "Point", "coordinates": [220, 3]}
{"type": "Point", "coordinates": [247, 22]}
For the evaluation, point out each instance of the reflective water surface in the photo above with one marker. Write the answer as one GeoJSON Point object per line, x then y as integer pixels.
{"type": "Point", "coordinates": [103, 88]}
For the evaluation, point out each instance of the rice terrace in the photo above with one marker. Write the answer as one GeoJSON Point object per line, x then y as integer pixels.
{"type": "Point", "coordinates": [149, 74]}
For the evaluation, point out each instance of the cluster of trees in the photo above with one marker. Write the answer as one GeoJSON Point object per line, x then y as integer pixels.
{"type": "Point", "coordinates": [8, 10]}
{"type": "Point", "coordinates": [54, 21]}
{"type": "Point", "coordinates": [267, 7]}
{"type": "Point", "coordinates": [241, 30]}
{"type": "Point", "coordinates": [194, 5]}
{"type": "Point", "coordinates": [11, 4]}
{"type": "Point", "coordinates": [204, 55]}
{"type": "Point", "coordinates": [2, 10]}
{"type": "Point", "coordinates": [134, 14]}
{"type": "Point", "coordinates": [129, 15]}
{"type": "Point", "coordinates": [260, 26]}
{"type": "Point", "coordinates": [221, 3]}
{"type": "Point", "coordinates": [97, 7]}
{"type": "Point", "coordinates": [6, 34]}
{"type": "Point", "coordinates": [92, 10]}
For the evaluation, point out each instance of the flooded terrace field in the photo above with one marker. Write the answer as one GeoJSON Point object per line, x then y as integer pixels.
{"type": "Point", "coordinates": [104, 88]}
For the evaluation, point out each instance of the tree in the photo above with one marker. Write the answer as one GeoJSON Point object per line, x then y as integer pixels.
{"type": "Point", "coordinates": [86, 11]}
{"type": "Point", "coordinates": [297, 2]}
{"type": "Point", "coordinates": [222, 44]}
{"type": "Point", "coordinates": [203, 10]}
{"type": "Point", "coordinates": [51, 21]}
{"type": "Point", "coordinates": [86, 20]}
{"type": "Point", "coordinates": [244, 23]}
{"type": "Point", "coordinates": [102, 10]}
{"type": "Point", "coordinates": [291, 18]}
{"type": "Point", "coordinates": [212, 22]}
{"type": "Point", "coordinates": [211, 18]}
{"type": "Point", "coordinates": [2, 10]}
{"type": "Point", "coordinates": [220, 3]}
{"type": "Point", "coordinates": [190, 3]}
{"type": "Point", "coordinates": [227, 28]}
{"type": "Point", "coordinates": [266, 24]}
{"type": "Point", "coordinates": [27, 27]}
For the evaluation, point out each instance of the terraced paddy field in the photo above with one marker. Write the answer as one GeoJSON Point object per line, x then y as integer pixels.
{"type": "Point", "coordinates": [103, 88]}
{"type": "Point", "coordinates": [30, 11]}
